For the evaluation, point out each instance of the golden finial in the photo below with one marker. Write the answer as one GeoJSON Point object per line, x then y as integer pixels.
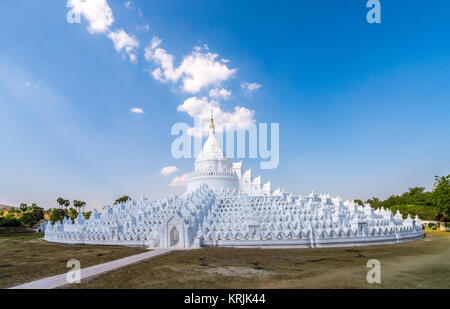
{"type": "Point", "coordinates": [211, 123]}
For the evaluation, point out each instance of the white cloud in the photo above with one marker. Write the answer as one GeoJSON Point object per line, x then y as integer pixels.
{"type": "Point", "coordinates": [166, 171]}
{"type": "Point", "coordinates": [201, 70]}
{"type": "Point", "coordinates": [163, 59]}
{"type": "Point", "coordinates": [129, 4]}
{"type": "Point", "coordinates": [157, 75]}
{"type": "Point", "coordinates": [154, 43]}
{"type": "Point", "coordinates": [179, 181]}
{"type": "Point", "coordinates": [97, 12]}
{"type": "Point", "coordinates": [133, 58]}
{"type": "Point", "coordinates": [220, 93]}
{"type": "Point", "coordinates": [250, 87]}
{"type": "Point", "coordinates": [123, 41]}
{"type": "Point", "coordinates": [100, 17]}
{"type": "Point", "coordinates": [137, 110]}
{"type": "Point", "coordinates": [201, 109]}
{"type": "Point", "coordinates": [198, 70]}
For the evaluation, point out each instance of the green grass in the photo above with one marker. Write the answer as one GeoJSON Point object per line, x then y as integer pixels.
{"type": "Point", "coordinates": [422, 263]}
{"type": "Point", "coordinates": [26, 257]}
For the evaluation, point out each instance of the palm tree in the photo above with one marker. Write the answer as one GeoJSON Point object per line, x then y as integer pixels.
{"type": "Point", "coordinates": [60, 201]}
{"type": "Point", "coordinates": [79, 204]}
{"type": "Point", "coordinates": [82, 204]}
{"type": "Point", "coordinates": [76, 204]}
{"type": "Point", "coordinates": [23, 207]}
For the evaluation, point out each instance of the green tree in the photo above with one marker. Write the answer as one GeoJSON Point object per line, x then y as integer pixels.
{"type": "Point", "coordinates": [375, 202]}
{"type": "Point", "coordinates": [122, 199]}
{"type": "Point", "coordinates": [38, 213]}
{"type": "Point", "coordinates": [87, 215]}
{"type": "Point", "coordinates": [76, 204]}
{"type": "Point", "coordinates": [83, 204]}
{"type": "Point", "coordinates": [417, 196]}
{"type": "Point", "coordinates": [23, 207]}
{"type": "Point", "coordinates": [359, 202]}
{"type": "Point", "coordinates": [73, 214]}
{"type": "Point", "coordinates": [28, 219]}
{"type": "Point", "coordinates": [9, 221]}
{"type": "Point", "coordinates": [34, 206]}
{"type": "Point", "coordinates": [57, 215]}
{"type": "Point", "coordinates": [14, 211]}
{"type": "Point", "coordinates": [79, 204]}
{"type": "Point", "coordinates": [441, 194]}
{"type": "Point", "coordinates": [60, 201]}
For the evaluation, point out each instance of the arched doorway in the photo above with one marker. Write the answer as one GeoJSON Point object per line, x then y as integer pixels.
{"type": "Point", "coordinates": [174, 236]}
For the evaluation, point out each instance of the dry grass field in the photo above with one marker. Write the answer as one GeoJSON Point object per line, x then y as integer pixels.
{"type": "Point", "coordinates": [419, 264]}
{"type": "Point", "coordinates": [26, 257]}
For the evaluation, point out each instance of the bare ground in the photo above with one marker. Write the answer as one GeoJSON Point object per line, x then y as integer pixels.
{"type": "Point", "coordinates": [422, 263]}
{"type": "Point", "coordinates": [27, 257]}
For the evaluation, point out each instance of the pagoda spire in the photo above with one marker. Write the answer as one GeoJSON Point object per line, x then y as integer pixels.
{"type": "Point", "coordinates": [212, 128]}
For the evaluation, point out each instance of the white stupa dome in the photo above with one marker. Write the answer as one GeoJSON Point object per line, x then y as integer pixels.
{"type": "Point", "coordinates": [212, 167]}
{"type": "Point", "coordinates": [211, 150]}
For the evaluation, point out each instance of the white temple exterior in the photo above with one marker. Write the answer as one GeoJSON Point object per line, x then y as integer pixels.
{"type": "Point", "coordinates": [213, 168]}
{"type": "Point", "coordinates": [224, 206]}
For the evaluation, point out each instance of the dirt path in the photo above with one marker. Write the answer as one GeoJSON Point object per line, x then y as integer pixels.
{"type": "Point", "coordinates": [61, 280]}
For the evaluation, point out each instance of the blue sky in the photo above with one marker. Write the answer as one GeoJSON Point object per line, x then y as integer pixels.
{"type": "Point", "coordinates": [363, 108]}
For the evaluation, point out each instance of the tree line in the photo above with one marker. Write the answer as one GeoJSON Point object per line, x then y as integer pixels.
{"type": "Point", "coordinates": [23, 216]}
{"type": "Point", "coordinates": [29, 216]}
{"type": "Point", "coordinates": [59, 214]}
{"type": "Point", "coordinates": [428, 205]}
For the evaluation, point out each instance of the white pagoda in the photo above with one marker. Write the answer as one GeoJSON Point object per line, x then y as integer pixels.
{"type": "Point", "coordinates": [224, 206]}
